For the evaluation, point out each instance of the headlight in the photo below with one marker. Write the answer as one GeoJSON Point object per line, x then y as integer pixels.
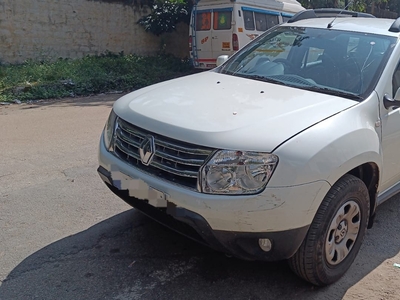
{"type": "Point", "coordinates": [109, 129]}
{"type": "Point", "coordinates": [237, 172]}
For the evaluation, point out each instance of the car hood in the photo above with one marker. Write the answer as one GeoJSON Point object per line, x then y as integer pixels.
{"type": "Point", "coordinates": [227, 112]}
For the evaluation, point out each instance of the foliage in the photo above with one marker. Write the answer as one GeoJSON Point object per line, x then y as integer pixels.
{"type": "Point", "coordinates": [392, 5]}
{"type": "Point", "coordinates": [166, 15]}
{"type": "Point", "coordinates": [86, 76]}
{"type": "Point", "coordinates": [356, 5]}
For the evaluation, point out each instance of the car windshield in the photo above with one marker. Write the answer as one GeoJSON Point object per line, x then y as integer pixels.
{"type": "Point", "coordinates": [330, 61]}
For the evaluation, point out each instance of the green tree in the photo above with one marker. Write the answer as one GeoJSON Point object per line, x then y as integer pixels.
{"type": "Point", "coordinates": [333, 3]}
{"type": "Point", "coordinates": [392, 5]}
{"type": "Point", "coordinates": [356, 5]}
{"type": "Point", "coordinates": [165, 15]}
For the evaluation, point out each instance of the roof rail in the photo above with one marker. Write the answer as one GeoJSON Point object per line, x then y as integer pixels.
{"type": "Point", "coordinates": [326, 13]}
{"type": "Point", "coordinates": [395, 26]}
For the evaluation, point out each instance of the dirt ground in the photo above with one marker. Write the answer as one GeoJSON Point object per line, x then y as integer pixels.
{"type": "Point", "coordinates": [65, 236]}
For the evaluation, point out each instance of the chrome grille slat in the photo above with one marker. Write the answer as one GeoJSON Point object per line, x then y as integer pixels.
{"type": "Point", "coordinates": [175, 161]}
{"type": "Point", "coordinates": [183, 149]}
{"type": "Point", "coordinates": [121, 135]}
{"type": "Point", "coordinates": [174, 171]}
{"type": "Point", "coordinates": [190, 162]}
{"type": "Point", "coordinates": [158, 165]}
{"type": "Point", "coordinates": [127, 151]}
{"type": "Point", "coordinates": [131, 130]}
{"type": "Point", "coordinates": [125, 126]}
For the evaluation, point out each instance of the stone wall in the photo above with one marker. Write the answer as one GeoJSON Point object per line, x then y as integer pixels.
{"type": "Point", "coordinates": [48, 29]}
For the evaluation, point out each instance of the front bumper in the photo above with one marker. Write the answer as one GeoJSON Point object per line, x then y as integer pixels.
{"type": "Point", "coordinates": [229, 223]}
{"type": "Point", "coordinates": [244, 245]}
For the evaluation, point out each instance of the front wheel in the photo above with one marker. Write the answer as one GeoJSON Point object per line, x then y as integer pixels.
{"type": "Point", "coordinates": [336, 233]}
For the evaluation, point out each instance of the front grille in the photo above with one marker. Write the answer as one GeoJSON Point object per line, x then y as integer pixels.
{"type": "Point", "coordinates": [175, 161]}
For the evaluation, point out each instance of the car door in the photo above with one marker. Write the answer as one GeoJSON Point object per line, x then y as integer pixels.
{"type": "Point", "coordinates": [390, 121]}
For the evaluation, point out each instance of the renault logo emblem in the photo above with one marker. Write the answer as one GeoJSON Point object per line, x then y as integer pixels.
{"type": "Point", "coordinates": [147, 150]}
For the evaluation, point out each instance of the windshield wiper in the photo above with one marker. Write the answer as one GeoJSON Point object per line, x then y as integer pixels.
{"type": "Point", "coordinates": [261, 78]}
{"type": "Point", "coordinates": [334, 92]}
{"type": "Point", "coordinates": [313, 88]}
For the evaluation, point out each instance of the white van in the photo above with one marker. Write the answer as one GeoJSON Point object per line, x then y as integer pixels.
{"type": "Point", "coordinates": [221, 27]}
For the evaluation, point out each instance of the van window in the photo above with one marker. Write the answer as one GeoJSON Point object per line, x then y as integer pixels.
{"type": "Point", "coordinates": [203, 21]}
{"type": "Point", "coordinates": [272, 21]}
{"type": "Point", "coordinates": [222, 20]}
{"type": "Point", "coordinates": [265, 21]}
{"type": "Point", "coordinates": [248, 20]}
{"type": "Point", "coordinates": [261, 21]}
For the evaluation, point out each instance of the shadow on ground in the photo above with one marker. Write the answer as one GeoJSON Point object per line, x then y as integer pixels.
{"type": "Point", "coordinates": [132, 257]}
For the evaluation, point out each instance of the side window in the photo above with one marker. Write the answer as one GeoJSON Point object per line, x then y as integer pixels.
{"type": "Point", "coordinates": [396, 80]}
{"type": "Point", "coordinates": [248, 20]}
{"type": "Point", "coordinates": [203, 21]}
{"type": "Point", "coordinates": [222, 20]}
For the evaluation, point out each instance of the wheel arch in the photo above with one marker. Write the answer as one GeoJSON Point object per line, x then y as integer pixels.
{"type": "Point", "coordinates": [369, 174]}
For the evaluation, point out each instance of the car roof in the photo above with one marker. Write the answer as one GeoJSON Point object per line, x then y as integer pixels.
{"type": "Point", "coordinates": [366, 25]}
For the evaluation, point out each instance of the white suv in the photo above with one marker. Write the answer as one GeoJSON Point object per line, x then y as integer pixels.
{"type": "Point", "coordinates": [282, 152]}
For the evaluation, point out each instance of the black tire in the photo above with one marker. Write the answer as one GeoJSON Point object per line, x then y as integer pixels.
{"type": "Point", "coordinates": [312, 261]}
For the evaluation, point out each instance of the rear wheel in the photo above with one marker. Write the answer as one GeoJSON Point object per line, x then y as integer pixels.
{"type": "Point", "coordinates": [336, 233]}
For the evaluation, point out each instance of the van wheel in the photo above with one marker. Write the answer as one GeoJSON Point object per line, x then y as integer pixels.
{"type": "Point", "coordinates": [336, 233]}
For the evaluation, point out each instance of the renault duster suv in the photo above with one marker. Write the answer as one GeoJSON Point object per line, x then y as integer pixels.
{"type": "Point", "coordinates": [282, 152]}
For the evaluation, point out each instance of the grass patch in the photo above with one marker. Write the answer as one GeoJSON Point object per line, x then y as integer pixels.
{"type": "Point", "coordinates": [89, 75]}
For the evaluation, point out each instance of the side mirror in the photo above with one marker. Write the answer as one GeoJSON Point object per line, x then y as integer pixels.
{"type": "Point", "coordinates": [397, 96]}
{"type": "Point", "coordinates": [221, 59]}
{"type": "Point", "coordinates": [389, 102]}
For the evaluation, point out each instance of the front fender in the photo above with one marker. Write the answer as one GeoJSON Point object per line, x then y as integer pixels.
{"type": "Point", "coordinates": [331, 148]}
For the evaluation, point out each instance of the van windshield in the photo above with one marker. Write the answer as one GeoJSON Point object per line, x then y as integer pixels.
{"type": "Point", "coordinates": [330, 61]}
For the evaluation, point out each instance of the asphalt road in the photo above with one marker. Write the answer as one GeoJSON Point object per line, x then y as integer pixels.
{"type": "Point", "coordinates": [64, 235]}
